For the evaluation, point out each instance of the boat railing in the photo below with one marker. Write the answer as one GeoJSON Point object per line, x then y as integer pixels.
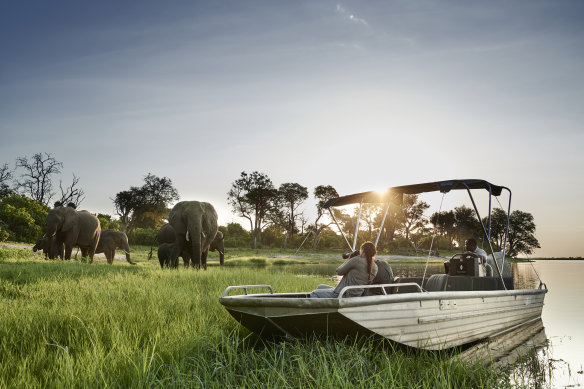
{"type": "Point", "coordinates": [380, 286]}
{"type": "Point", "coordinates": [245, 287]}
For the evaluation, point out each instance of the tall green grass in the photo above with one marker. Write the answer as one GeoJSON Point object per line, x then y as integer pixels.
{"type": "Point", "coordinates": [75, 325]}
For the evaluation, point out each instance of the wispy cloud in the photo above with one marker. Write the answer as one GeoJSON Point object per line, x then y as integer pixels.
{"type": "Point", "coordinates": [351, 16]}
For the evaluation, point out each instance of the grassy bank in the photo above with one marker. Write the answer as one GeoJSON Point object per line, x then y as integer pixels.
{"type": "Point", "coordinates": [70, 324]}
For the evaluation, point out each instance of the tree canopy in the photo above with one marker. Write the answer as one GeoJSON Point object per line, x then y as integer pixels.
{"type": "Point", "coordinates": [150, 200]}
{"type": "Point", "coordinates": [252, 197]}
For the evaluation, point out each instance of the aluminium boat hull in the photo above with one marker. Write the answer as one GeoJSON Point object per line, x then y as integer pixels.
{"type": "Point", "coordinates": [426, 320]}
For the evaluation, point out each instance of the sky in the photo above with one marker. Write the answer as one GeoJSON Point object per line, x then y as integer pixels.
{"type": "Point", "coordinates": [359, 95]}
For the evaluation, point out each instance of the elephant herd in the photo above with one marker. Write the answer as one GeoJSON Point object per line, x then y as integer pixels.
{"type": "Point", "coordinates": [190, 233]}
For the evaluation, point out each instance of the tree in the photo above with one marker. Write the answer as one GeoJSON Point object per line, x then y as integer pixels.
{"type": "Point", "coordinates": [252, 196]}
{"type": "Point", "coordinates": [413, 214]}
{"type": "Point", "coordinates": [72, 193]}
{"type": "Point", "coordinates": [291, 195]}
{"type": "Point", "coordinates": [107, 222]}
{"type": "Point", "coordinates": [466, 224]}
{"type": "Point", "coordinates": [391, 225]}
{"type": "Point", "coordinates": [445, 224]}
{"type": "Point", "coordinates": [369, 214]}
{"type": "Point", "coordinates": [235, 235]}
{"type": "Point", "coordinates": [136, 203]}
{"type": "Point", "coordinates": [322, 194]}
{"type": "Point", "coordinates": [36, 181]}
{"type": "Point", "coordinates": [5, 176]}
{"type": "Point", "coordinates": [521, 232]}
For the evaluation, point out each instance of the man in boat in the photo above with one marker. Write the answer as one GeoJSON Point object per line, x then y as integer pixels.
{"type": "Point", "coordinates": [472, 247]}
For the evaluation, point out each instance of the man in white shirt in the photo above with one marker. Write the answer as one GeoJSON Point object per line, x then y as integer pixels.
{"type": "Point", "coordinates": [471, 246]}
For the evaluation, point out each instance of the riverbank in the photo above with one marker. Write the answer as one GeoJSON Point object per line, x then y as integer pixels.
{"type": "Point", "coordinates": [142, 326]}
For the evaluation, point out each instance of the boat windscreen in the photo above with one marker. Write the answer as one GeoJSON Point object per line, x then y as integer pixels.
{"type": "Point", "coordinates": [395, 194]}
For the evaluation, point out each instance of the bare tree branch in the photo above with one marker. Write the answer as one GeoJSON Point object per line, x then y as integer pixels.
{"type": "Point", "coordinates": [36, 181]}
{"type": "Point", "coordinates": [73, 193]}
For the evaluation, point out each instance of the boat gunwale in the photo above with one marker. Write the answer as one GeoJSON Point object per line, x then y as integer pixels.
{"type": "Point", "coordinates": [272, 300]}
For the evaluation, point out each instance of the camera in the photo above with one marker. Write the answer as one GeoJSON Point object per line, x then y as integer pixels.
{"type": "Point", "coordinates": [351, 255]}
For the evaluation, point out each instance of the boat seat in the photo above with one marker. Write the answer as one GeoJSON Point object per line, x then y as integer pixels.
{"type": "Point", "coordinates": [437, 283]}
{"type": "Point", "coordinates": [408, 288]}
{"type": "Point", "coordinates": [467, 283]}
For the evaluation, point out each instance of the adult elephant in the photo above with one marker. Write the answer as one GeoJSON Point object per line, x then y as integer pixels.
{"type": "Point", "coordinates": [73, 228]}
{"type": "Point", "coordinates": [195, 226]}
{"type": "Point", "coordinates": [109, 241]}
{"type": "Point", "coordinates": [167, 234]}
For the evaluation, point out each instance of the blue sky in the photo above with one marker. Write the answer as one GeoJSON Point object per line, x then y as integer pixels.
{"type": "Point", "coordinates": [357, 95]}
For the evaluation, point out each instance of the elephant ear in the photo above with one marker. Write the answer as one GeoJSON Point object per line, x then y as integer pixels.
{"type": "Point", "coordinates": [69, 218]}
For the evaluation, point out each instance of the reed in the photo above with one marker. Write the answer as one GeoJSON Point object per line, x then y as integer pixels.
{"type": "Point", "coordinates": [70, 324]}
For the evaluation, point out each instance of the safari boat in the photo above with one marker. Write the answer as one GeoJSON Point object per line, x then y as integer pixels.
{"type": "Point", "coordinates": [461, 306]}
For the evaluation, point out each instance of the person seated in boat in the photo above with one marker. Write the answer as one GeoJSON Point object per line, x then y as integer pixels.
{"type": "Point", "coordinates": [357, 270]}
{"type": "Point", "coordinates": [384, 273]}
{"type": "Point", "coordinates": [472, 247]}
{"type": "Point", "coordinates": [384, 276]}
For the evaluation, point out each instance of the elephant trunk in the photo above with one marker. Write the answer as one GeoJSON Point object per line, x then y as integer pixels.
{"type": "Point", "coordinates": [194, 235]}
{"type": "Point", "coordinates": [221, 257]}
{"type": "Point", "coordinates": [127, 251]}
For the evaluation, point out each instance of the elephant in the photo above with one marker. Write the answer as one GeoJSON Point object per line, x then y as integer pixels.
{"type": "Point", "coordinates": [166, 234]}
{"type": "Point", "coordinates": [195, 225]}
{"type": "Point", "coordinates": [44, 244]}
{"type": "Point", "coordinates": [219, 244]}
{"type": "Point", "coordinates": [167, 255]}
{"type": "Point", "coordinates": [73, 228]}
{"type": "Point", "coordinates": [109, 241]}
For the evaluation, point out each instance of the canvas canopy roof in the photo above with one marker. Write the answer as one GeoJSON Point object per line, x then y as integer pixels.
{"type": "Point", "coordinates": [395, 194]}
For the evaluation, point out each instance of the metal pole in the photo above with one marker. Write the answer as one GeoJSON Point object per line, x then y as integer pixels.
{"type": "Point", "coordinates": [339, 227]}
{"type": "Point", "coordinates": [382, 223]}
{"type": "Point", "coordinates": [506, 227]}
{"type": "Point", "coordinates": [357, 226]}
{"type": "Point", "coordinates": [485, 232]}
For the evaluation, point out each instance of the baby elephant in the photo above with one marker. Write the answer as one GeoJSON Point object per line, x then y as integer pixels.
{"type": "Point", "coordinates": [166, 255]}
{"type": "Point", "coordinates": [43, 244]}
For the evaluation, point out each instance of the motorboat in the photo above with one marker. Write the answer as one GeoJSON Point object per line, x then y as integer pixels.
{"type": "Point", "coordinates": [466, 304]}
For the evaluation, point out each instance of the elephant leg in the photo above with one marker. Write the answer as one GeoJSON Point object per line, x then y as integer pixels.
{"type": "Point", "coordinates": [204, 258]}
{"type": "Point", "coordinates": [91, 254]}
{"type": "Point", "coordinates": [68, 251]}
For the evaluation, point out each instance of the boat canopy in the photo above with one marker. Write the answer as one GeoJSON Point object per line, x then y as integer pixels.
{"type": "Point", "coordinates": [395, 194]}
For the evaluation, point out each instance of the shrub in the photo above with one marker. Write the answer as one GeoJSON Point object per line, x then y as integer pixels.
{"type": "Point", "coordinates": [3, 232]}
{"type": "Point", "coordinates": [23, 219]}
{"type": "Point", "coordinates": [143, 236]}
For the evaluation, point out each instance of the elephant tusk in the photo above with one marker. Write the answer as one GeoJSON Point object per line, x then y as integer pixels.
{"type": "Point", "coordinates": [187, 236]}
{"type": "Point", "coordinates": [203, 235]}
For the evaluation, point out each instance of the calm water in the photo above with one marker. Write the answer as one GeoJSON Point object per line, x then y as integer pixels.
{"type": "Point", "coordinates": [563, 312]}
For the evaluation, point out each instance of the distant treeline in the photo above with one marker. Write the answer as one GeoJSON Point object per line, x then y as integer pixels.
{"type": "Point", "coordinates": [275, 214]}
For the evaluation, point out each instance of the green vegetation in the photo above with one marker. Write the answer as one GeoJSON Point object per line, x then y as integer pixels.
{"type": "Point", "coordinates": [69, 324]}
